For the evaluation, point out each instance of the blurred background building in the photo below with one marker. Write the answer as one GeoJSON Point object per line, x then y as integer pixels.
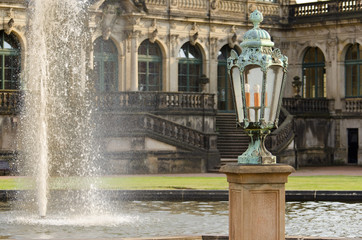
{"type": "Point", "coordinates": [162, 90]}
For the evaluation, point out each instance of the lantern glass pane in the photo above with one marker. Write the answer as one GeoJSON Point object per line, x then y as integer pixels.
{"type": "Point", "coordinates": [272, 92]}
{"type": "Point", "coordinates": [253, 90]}
{"type": "Point", "coordinates": [236, 86]}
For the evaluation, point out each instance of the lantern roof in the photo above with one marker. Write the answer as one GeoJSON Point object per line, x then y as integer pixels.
{"type": "Point", "coordinates": [256, 37]}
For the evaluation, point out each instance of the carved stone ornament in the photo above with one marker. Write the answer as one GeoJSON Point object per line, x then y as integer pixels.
{"type": "Point", "coordinates": [193, 38]}
{"type": "Point", "coordinates": [153, 35]}
{"type": "Point", "coordinates": [109, 18]}
{"type": "Point", "coordinates": [331, 49]}
{"type": "Point", "coordinates": [154, 23]}
{"type": "Point", "coordinates": [133, 19]}
{"type": "Point", "coordinates": [233, 38]}
{"type": "Point", "coordinates": [173, 42]}
{"type": "Point", "coordinates": [106, 33]}
{"type": "Point", "coordinates": [10, 13]}
{"type": "Point", "coordinates": [214, 4]}
{"type": "Point", "coordinates": [132, 33]}
{"type": "Point", "coordinates": [194, 34]}
{"type": "Point", "coordinates": [213, 46]}
{"type": "Point", "coordinates": [173, 2]}
{"type": "Point", "coordinates": [9, 27]}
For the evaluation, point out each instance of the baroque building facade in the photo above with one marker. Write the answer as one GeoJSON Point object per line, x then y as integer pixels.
{"type": "Point", "coordinates": [159, 68]}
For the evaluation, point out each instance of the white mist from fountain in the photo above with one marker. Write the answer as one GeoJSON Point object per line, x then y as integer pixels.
{"type": "Point", "coordinates": [56, 128]}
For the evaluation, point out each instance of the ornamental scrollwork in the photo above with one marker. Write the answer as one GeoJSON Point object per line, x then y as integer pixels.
{"type": "Point", "coordinates": [264, 58]}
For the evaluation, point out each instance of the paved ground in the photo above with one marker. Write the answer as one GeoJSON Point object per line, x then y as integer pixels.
{"type": "Point", "coordinates": [332, 170]}
{"type": "Point", "coordinates": [304, 171]}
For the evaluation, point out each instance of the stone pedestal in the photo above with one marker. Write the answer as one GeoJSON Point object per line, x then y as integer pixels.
{"type": "Point", "coordinates": [257, 201]}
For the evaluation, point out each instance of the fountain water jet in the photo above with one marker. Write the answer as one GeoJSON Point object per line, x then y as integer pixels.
{"type": "Point", "coordinates": [56, 135]}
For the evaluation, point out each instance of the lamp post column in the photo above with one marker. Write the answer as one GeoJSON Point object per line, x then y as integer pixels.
{"type": "Point", "coordinates": [257, 183]}
{"type": "Point", "coordinates": [257, 201]}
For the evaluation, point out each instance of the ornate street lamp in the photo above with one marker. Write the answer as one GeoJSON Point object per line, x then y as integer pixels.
{"type": "Point", "coordinates": [257, 79]}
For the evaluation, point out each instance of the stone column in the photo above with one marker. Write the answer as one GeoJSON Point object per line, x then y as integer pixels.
{"type": "Point", "coordinates": [257, 201]}
{"type": "Point", "coordinates": [134, 60]}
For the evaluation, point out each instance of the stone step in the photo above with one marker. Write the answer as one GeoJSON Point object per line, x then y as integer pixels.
{"type": "Point", "coordinates": [232, 141]}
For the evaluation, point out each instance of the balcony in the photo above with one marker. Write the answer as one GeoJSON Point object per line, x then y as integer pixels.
{"type": "Point", "coordinates": [9, 102]}
{"type": "Point", "coordinates": [326, 10]}
{"type": "Point", "coordinates": [353, 105]}
{"type": "Point", "coordinates": [129, 101]}
{"type": "Point", "coordinates": [307, 106]}
{"type": "Point", "coordinates": [156, 102]}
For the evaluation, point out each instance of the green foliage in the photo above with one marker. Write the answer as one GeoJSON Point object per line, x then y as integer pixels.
{"type": "Point", "coordinates": [178, 182]}
{"type": "Point", "coordinates": [339, 183]}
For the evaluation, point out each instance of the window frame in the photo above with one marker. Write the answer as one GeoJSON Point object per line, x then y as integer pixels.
{"type": "Point", "coordinates": [101, 58]}
{"type": "Point", "coordinates": [222, 63]}
{"type": "Point", "coordinates": [15, 65]}
{"type": "Point", "coordinates": [315, 65]}
{"type": "Point", "coordinates": [189, 64]}
{"type": "Point", "coordinates": [148, 60]}
{"type": "Point", "coordinates": [350, 63]}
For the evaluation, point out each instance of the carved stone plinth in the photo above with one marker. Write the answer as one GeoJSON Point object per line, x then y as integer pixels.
{"type": "Point", "coordinates": [257, 201]}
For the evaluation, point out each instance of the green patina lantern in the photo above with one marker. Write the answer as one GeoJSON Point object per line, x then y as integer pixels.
{"type": "Point", "coordinates": [257, 77]}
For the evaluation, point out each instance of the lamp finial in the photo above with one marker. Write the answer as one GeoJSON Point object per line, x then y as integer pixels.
{"type": "Point", "coordinates": [256, 18]}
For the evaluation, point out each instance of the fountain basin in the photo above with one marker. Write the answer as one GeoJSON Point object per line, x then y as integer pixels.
{"type": "Point", "coordinates": [152, 219]}
{"type": "Point", "coordinates": [200, 195]}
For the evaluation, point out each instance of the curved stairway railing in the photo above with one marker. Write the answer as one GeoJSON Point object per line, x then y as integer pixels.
{"type": "Point", "coordinates": [161, 129]}
{"type": "Point", "coordinates": [174, 132]}
{"type": "Point", "coordinates": [281, 137]}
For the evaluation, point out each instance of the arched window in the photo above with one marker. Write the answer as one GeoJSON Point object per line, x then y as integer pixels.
{"type": "Point", "coordinates": [9, 61]}
{"type": "Point", "coordinates": [149, 67]}
{"type": "Point", "coordinates": [353, 64]}
{"type": "Point", "coordinates": [105, 65]}
{"type": "Point", "coordinates": [225, 97]}
{"type": "Point", "coordinates": [189, 68]}
{"type": "Point", "coordinates": [314, 74]}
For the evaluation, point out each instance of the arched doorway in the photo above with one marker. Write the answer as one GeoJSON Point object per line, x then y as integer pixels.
{"type": "Point", "coordinates": [225, 102]}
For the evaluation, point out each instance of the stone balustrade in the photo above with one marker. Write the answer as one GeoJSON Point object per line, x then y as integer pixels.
{"type": "Point", "coordinates": [239, 9]}
{"type": "Point", "coordinates": [173, 131]}
{"type": "Point", "coordinates": [353, 105]}
{"type": "Point", "coordinates": [130, 101]}
{"type": "Point", "coordinates": [318, 9]}
{"type": "Point", "coordinates": [229, 8]}
{"type": "Point", "coordinates": [307, 105]}
{"type": "Point", "coordinates": [9, 101]}
{"type": "Point", "coordinates": [349, 6]}
{"type": "Point", "coordinates": [280, 138]}
{"type": "Point", "coordinates": [310, 9]}
{"type": "Point", "coordinates": [155, 101]}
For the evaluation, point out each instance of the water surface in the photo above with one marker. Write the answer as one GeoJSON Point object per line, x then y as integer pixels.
{"type": "Point", "coordinates": [161, 218]}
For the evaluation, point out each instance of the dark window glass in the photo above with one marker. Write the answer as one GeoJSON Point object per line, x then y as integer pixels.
{"type": "Point", "coordinates": [150, 67]}
{"type": "Point", "coordinates": [190, 68]}
{"type": "Point", "coordinates": [105, 65]}
{"type": "Point", "coordinates": [353, 68]}
{"type": "Point", "coordinates": [9, 61]}
{"type": "Point", "coordinates": [224, 94]}
{"type": "Point", "coordinates": [314, 74]}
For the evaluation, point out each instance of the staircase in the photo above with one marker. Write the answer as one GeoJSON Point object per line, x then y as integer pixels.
{"type": "Point", "coordinates": [231, 141]}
